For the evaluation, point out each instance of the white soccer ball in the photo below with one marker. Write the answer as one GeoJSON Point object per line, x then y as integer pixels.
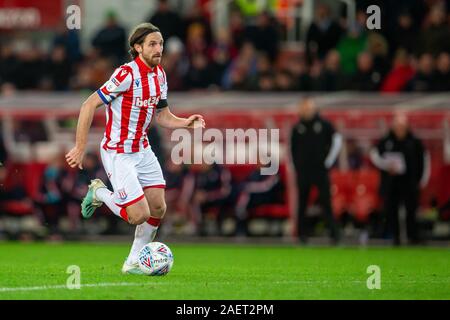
{"type": "Point", "coordinates": [155, 259]}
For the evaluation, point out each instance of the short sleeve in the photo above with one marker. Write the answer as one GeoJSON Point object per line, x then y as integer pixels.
{"type": "Point", "coordinates": [119, 82]}
{"type": "Point", "coordinates": [163, 85]}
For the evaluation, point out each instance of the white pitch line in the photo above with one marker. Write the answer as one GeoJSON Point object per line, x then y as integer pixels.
{"type": "Point", "coordinates": [89, 285]}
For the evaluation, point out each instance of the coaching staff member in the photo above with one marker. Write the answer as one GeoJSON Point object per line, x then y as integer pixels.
{"type": "Point", "coordinates": [314, 147]}
{"type": "Point", "coordinates": [405, 167]}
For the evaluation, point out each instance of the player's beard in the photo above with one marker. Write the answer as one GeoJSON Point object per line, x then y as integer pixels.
{"type": "Point", "coordinates": [151, 60]}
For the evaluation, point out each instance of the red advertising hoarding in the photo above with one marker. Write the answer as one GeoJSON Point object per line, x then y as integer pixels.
{"type": "Point", "coordinates": [30, 14]}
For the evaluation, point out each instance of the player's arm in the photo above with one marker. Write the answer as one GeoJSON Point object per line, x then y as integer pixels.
{"type": "Point", "coordinates": [117, 84]}
{"type": "Point", "coordinates": [75, 156]}
{"type": "Point", "coordinates": [167, 119]}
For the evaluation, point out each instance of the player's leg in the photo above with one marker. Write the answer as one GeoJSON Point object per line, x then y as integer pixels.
{"type": "Point", "coordinates": [127, 202]}
{"type": "Point", "coordinates": [304, 189]}
{"type": "Point", "coordinates": [152, 182]}
{"type": "Point", "coordinates": [146, 231]}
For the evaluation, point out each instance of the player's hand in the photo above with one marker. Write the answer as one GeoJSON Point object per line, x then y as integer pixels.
{"type": "Point", "coordinates": [195, 121]}
{"type": "Point", "coordinates": [75, 157]}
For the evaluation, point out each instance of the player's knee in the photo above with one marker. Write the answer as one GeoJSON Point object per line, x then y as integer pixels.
{"type": "Point", "coordinates": [138, 217]}
{"type": "Point", "coordinates": [158, 210]}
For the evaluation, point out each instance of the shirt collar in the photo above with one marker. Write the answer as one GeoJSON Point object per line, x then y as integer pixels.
{"type": "Point", "coordinates": [143, 67]}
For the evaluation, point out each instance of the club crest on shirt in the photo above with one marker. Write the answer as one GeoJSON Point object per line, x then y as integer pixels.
{"type": "Point", "coordinates": [122, 194]}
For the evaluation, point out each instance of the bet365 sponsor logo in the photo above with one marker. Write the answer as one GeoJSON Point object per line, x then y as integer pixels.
{"type": "Point", "coordinates": [139, 102]}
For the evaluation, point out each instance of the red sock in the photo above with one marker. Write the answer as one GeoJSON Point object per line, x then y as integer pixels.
{"type": "Point", "coordinates": [154, 221]}
{"type": "Point", "coordinates": [124, 214]}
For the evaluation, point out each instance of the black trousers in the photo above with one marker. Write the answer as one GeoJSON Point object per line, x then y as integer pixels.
{"type": "Point", "coordinates": [401, 192]}
{"type": "Point", "coordinates": [305, 183]}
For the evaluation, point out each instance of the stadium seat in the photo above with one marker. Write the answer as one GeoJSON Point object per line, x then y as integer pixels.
{"type": "Point", "coordinates": [341, 184]}
{"type": "Point", "coordinates": [364, 196]}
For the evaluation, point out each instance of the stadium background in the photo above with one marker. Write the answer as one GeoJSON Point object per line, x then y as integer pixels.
{"type": "Point", "coordinates": [243, 64]}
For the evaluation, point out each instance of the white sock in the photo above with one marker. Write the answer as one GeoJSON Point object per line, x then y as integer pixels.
{"type": "Point", "coordinates": [107, 197]}
{"type": "Point", "coordinates": [144, 234]}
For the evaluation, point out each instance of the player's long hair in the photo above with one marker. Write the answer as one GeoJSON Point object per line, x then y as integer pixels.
{"type": "Point", "coordinates": [138, 35]}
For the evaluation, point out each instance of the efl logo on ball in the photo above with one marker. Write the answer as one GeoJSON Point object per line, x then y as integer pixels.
{"type": "Point", "coordinates": [155, 259]}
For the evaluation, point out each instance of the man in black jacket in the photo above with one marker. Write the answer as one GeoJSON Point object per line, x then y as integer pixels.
{"type": "Point", "coordinates": [405, 167]}
{"type": "Point", "coordinates": [314, 147]}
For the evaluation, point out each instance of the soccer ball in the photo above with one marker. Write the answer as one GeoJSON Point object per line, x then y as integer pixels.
{"type": "Point", "coordinates": [155, 259]}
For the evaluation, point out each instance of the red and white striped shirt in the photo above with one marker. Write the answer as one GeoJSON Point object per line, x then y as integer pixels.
{"type": "Point", "coordinates": [131, 96]}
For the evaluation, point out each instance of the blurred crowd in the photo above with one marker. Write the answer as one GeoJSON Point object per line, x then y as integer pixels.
{"type": "Point", "coordinates": [410, 53]}
{"type": "Point", "coordinates": [200, 198]}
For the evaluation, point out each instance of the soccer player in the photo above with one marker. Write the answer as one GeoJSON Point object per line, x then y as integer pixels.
{"type": "Point", "coordinates": [135, 93]}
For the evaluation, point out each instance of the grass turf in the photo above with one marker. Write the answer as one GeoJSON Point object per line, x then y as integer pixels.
{"type": "Point", "coordinates": [227, 272]}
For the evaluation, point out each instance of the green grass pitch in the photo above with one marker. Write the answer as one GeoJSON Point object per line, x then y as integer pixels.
{"type": "Point", "coordinates": [201, 271]}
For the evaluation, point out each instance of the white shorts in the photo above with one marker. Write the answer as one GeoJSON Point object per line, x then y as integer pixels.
{"type": "Point", "coordinates": [131, 173]}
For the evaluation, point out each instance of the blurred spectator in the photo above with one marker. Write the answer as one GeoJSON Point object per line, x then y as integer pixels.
{"type": "Point", "coordinates": [29, 131]}
{"type": "Point", "coordinates": [110, 40]}
{"type": "Point", "coordinates": [256, 190]}
{"type": "Point", "coordinates": [442, 75]}
{"type": "Point", "coordinates": [400, 74]}
{"type": "Point", "coordinates": [265, 82]}
{"type": "Point", "coordinates": [350, 45]}
{"type": "Point", "coordinates": [3, 150]}
{"type": "Point", "coordinates": [196, 19]}
{"type": "Point", "coordinates": [93, 73]}
{"type": "Point", "coordinates": [221, 54]}
{"type": "Point", "coordinates": [3, 193]}
{"type": "Point", "coordinates": [299, 70]}
{"type": "Point", "coordinates": [264, 35]}
{"type": "Point", "coordinates": [323, 34]}
{"type": "Point", "coordinates": [52, 199]}
{"type": "Point", "coordinates": [168, 21]}
{"type": "Point", "coordinates": [14, 199]}
{"type": "Point", "coordinates": [76, 184]}
{"type": "Point", "coordinates": [196, 40]}
{"type": "Point", "coordinates": [366, 77]}
{"type": "Point", "coordinates": [263, 67]}
{"type": "Point", "coordinates": [199, 75]}
{"type": "Point", "coordinates": [154, 137]}
{"type": "Point", "coordinates": [314, 148]}
{"type": "Point", "coordinates": [404, 36]}
{"type": "Point", "coordinates": [404, 166]}
{"type": "Point", "coordinates": [284, 81]}
{"type": "Point", "coordinates": [70, 40]}
{"type": "Point", "coordinates": [9, 65]}
{"type": "Point", "coordinates": [179, 187]}
{"type": "Point", "coordinates": [241, 69]}
{"type": "Point", "coordinates": [424, 77]}
{"type": "Point", "coordinates": [212, 190]}
{"type": "Point", "coordinates": [237, 28]}
{"type": "Point", "coordinates": [59, 69]}
{"type": "Point", "coordinates": [330, 77]}
{"type": "Point", "coordinates": [30, 68]}
{"type": "Point", "coordinates": [434, 38]}
{"type": "Point", "coordinates": [378, 47]}
{"type": "Point", "coordinates": [175, 63]}
{"type": "Point", "coordinates": [355, 155]}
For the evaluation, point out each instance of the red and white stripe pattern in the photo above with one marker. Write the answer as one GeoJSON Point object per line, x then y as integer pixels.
{"type": "Point", "coordinates": [131, 96]}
